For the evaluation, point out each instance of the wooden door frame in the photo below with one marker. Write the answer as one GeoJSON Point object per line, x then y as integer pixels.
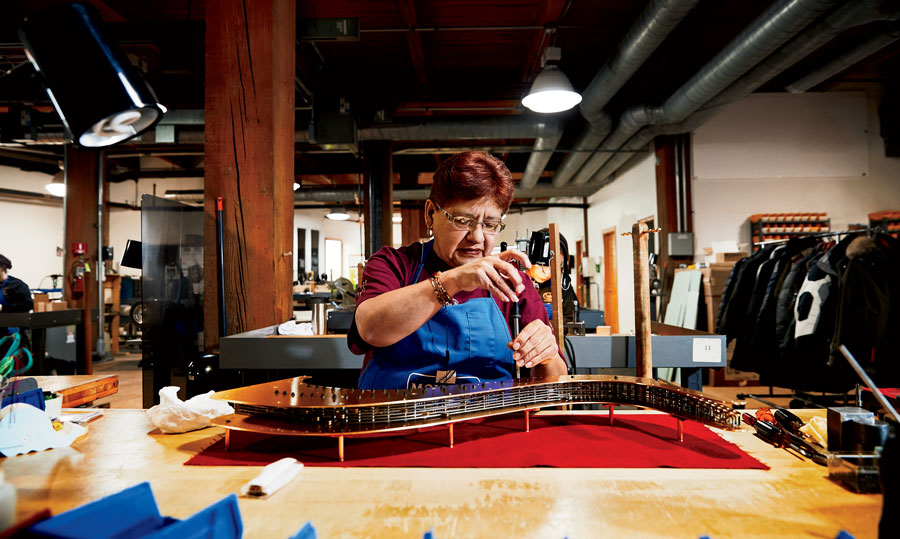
{"type": "Point", "coordinates": [610, 308]}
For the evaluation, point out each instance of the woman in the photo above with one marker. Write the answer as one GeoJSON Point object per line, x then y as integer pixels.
{"type": "Point", "coordinates": [441, 312]}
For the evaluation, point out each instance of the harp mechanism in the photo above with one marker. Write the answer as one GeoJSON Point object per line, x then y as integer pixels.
{"type": "Point", "coordinates": [292, 407]}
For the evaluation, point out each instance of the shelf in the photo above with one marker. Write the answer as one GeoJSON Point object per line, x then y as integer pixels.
{"type": "Point", "coordinates": [766, 227]}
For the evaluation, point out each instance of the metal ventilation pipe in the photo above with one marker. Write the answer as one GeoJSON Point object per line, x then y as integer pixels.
{"type": "Point", "coordinates": [526, 126]}
{"type": "Point", "coordinates": [844, 17]}
{"type": "Point", "coordinates": [779, 23]}
{"type": "Point", "coordinates": [346, 193]}
{"type": "Point", "coordinates": [842, 62]}
{"type": "Point", "coordinates": [544, 145]}
{"type": "Point", "coordinates": [656, 22]}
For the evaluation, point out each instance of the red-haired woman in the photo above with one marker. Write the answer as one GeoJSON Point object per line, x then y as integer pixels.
{"type": "Point", "coordinates": [441, 312]}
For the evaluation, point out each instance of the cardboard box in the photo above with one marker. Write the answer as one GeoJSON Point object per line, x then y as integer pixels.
{"type": "Point", "coordinates": [40, 306]}
{"type": "Point", "coordinates": [730, 257]}
{"type": "Point", "coordinates": [41, 298]}
{"type": "Point", "coordinates": [58, 306]}
{"type": "Point", "coordinates": [604, 330]}
{"type": "Point", "coordinates": [715, 277]}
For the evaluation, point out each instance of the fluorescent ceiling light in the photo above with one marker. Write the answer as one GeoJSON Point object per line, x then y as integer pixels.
{"type": "Point", "coordinates": [296, 186]}
{"type": "Point", "coordinates": [396, 218]}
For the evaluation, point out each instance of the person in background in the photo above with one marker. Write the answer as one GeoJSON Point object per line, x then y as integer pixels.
{"type": "Point", "coordinates": [15, 296]}
{"type": "Point", "coordinates": [441, 312]}
{"type": "Point", "coordinates": [542, 278]}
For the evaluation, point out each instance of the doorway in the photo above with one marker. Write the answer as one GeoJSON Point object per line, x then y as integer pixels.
{"type": "Point", "coordinates": [333, 258]}
{"type": "Point", "coordinates": [610, 283]}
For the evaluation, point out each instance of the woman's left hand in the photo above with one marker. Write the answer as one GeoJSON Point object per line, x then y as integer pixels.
{"type": "Point", "coordinates": [534, 345]}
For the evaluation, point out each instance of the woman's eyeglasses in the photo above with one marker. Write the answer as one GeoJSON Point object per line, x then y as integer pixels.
{"type": "Point", "coordinates": [467, 223]}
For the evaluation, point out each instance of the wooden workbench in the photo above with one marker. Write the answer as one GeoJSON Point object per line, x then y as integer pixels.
{"type": "Point", "coordinates": [793, 499]}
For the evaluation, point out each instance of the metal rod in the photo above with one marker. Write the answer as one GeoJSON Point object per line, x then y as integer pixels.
{"type": "Point", "coordinates": [101, 273]}
{"type": "Point", "coordinates": [680, 426]}
{"type": "Point", "coordinates": [868, 381]}
{"type": "Point", "coordinates": [611, 408]}
{"type": "Point", "coordinates": [527, 420]}
{"type": "Point", "coordinates": [220, 264]}
{"type": "Point", "coordinates": [341, 448]}
{"type": "Point", "coordinates": [228, 440]}
{"type": "Point", "coordinates": [450, 429]}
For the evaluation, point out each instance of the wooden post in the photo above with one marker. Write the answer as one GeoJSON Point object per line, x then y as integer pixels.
{"type": "Point", "coordinates": [250, 68]}
{"type": "Point", "coordinates": [378, 195]}
{"type": "Point", "coordinates": [643, 352]}
{"type": "Point", "coordinates": [556, 287]}
{"type": "Point", "coordinates": [82, 183]}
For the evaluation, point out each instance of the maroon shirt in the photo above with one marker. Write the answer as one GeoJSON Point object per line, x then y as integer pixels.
{"type": "Point", "coordinates": [390, 269]}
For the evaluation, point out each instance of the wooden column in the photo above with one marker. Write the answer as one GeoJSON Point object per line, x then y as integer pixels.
{"type": "Point", "coordinates": [250, 63]}
{"type": "Point", "coordinates": [556, 287]}
{"type": "Point", "coordinates": [412, 225]}
{"type": "Point", "coordinates": [643, 351]}
{"type": "Point", "coordinates": [378, 191]}
{"type": "Point", "coordinates": [82, 181]}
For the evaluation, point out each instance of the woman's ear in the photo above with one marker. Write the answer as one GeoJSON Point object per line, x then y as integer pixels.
{"type": "Point", "coordinates": [429, 213]}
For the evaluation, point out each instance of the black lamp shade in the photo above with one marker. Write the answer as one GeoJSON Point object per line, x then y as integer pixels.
{"type": "Point", "coordinates": [101, 98]}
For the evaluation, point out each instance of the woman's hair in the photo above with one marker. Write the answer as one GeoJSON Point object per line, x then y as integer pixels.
{"type": "Point", "coordinates": [472, 175]}
{"type": "Point", "coordinates": [5, 264]}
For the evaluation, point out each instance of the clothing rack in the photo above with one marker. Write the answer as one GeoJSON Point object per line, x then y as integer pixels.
{"type": "Point", "coordinates": [819, 235]}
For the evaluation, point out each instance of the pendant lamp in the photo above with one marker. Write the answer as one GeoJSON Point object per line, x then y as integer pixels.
{"type": "Point", "coordinates": [551, 90]}
{"type": "Point", "coordinates": [337, 214]}
{"type": "Point", "coordinates": [57, 185]}
{"type": "Point", "coordinates": [100, 97]}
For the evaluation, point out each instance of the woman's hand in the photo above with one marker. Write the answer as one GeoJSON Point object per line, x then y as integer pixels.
{"type": "Point", "coordinates": [534, 345]}
{"type": "Point", "coordinates": [492, 273]}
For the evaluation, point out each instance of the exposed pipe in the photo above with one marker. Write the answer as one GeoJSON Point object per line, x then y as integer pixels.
{"type": "Point", "coordinates": [346, 193]}
{"type": "Point", "coordinates": [842, 62]}
{"type": "Point", "coordinates": [503, 127]}
{"type": "Point", "coordinates": [656, 22]}
{"type": "Point", "coordinates": [775, 26]}
{"type": "Point", "coordinates": [544, 146]}
{"type": "Point", "coordinates": [844, 17]}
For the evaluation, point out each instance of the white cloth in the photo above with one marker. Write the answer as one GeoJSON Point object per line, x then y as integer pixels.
{"type": "Point", "coordinates": [173, 415]}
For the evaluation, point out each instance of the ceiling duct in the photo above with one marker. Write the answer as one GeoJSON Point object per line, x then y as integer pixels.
{"type": "Point", "coordinates": [842, 62]}
{"type": "Point", "coordinates": [779, 23]}
{"type": "Point", "coordinates": [653, 26]}
{"type": "Point", "coordinates": [502, 127]}
{"type": "Point", "coordinates": [347, 193]}
{"type": "Point", "coordinates": [844, 17]}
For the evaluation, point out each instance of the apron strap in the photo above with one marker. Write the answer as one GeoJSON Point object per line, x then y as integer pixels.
{"type": "Point", "coordinates": [425, 250]}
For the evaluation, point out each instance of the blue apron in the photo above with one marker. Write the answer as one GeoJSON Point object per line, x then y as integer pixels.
{"type": "Point", "coordinates": [5, 331]}
{"type": "Point", "coordinates": [462, 344]}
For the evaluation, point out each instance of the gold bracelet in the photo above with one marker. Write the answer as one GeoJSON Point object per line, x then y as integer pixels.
{"type": "Point", "coordinates": [440, 292]}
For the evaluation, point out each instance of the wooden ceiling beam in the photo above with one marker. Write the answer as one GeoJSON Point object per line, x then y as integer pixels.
{"type": "Point", "coordinates": [408, 13]}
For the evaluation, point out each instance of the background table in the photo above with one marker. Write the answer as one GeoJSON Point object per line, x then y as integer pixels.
{"type": "Point", "coordinates": [792, 499]}
{"type": "Point", "coordinates": [79, 389]}
{"type": "Point", "coordinates": [39, 322]}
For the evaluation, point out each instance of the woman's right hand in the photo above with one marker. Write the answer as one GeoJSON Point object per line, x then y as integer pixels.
{"type": "Point", "coordinates": [492, 273]}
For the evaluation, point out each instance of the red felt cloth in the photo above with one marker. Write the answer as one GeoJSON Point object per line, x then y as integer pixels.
{"type": "Point", "coordinates": [561, 441]}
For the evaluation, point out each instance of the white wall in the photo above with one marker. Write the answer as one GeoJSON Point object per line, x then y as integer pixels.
{"type": "Point", "coordinates": [349, 232]}
{"type": "Point", "coordinates": [631, 198]}
{"type": "Point", "coordinates": [722, 206]}
{"type": "Point", "coordinates": [30, 232]}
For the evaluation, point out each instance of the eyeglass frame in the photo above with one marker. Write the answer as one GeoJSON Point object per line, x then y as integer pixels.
{"type": "Point", "coordinates": [455, 221]}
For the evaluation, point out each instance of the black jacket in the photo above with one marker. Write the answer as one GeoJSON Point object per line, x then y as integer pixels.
{"type": "Point", "coordinates": [16, 296]}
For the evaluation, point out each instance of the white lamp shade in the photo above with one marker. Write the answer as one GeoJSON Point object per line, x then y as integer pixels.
{"type": "Point", "coordinates": [57, 186]}
{"type": "Point", "coordinates": [337, 214]}
{"type": "Point", "coordinates": [551, 92]}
